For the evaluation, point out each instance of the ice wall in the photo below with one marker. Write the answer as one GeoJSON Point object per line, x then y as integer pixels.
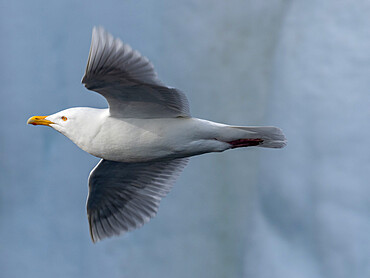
{"type": "Point", "coordinates": [311, 217]}
{"type": "Point", "coordinates": [297, 212]}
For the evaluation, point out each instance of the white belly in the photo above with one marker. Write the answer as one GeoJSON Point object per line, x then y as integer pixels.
{"type": "Point", "coordinates": [136, 140]}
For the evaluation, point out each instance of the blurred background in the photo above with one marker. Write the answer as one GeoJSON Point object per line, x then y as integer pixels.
{"type": "Point", "coordinates": [302, 211]}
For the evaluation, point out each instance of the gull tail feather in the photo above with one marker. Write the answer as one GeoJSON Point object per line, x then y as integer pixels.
{"type": "Point", "coordinates": [260, 136]}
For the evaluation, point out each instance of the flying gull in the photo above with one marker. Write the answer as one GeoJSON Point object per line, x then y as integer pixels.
{"type": "Point", "coordinates": [144, 138]}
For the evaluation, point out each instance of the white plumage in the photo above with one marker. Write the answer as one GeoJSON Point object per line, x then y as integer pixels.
{"type": "Point", "coordinates": [144, 138]}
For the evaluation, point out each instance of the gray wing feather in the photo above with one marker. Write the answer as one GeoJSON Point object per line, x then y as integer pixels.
{"type": "Point", "coordinates": [128, 81]}
{"type": "Point", "coordinates": [124, 196]}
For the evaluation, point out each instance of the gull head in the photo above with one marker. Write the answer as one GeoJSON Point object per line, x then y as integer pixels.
{"type": "Point", "coordinates": [72, 122]}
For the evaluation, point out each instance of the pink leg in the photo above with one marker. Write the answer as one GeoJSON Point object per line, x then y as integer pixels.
{"type": "Point", "coordinates": [245, 143]}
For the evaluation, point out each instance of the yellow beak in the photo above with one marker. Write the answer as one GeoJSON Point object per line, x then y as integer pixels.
{"type": "Point", "coordinates": [39, 120]}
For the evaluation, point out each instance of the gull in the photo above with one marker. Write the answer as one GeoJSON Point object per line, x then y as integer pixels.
{"type": "Point", "coordinates": [144, 138]}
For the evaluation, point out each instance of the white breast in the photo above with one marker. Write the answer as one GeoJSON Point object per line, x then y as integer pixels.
{"type": "Point", "coordinates": [135, 140]}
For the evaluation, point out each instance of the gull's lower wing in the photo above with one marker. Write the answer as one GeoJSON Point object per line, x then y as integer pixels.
{"type": "Point", "coordinates": [124, 196]}
{"type": "Point", "coordinates": [128, 81]}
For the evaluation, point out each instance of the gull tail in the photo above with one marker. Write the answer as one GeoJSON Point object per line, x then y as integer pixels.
{"type": "Point", "coordinates": [260, 136]}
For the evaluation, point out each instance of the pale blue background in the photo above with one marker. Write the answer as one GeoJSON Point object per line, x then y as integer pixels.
{"type": "Point", "coordinates": [303, 211]}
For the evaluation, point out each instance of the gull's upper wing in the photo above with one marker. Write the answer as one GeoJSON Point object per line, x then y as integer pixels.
{"type": "Point", "coordinates": [124, 196]}
{"type": "Point", "coordinates": [128, 81]}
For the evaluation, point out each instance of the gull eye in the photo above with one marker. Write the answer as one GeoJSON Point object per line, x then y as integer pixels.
{"type": "Point", "coordinates": [64, 118]}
